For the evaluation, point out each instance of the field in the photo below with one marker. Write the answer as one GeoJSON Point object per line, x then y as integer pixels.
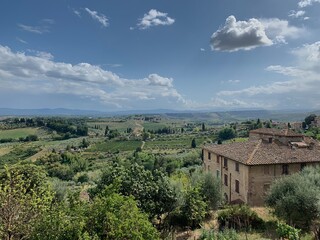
{"type": "Point", "coordinates": [114, 146]}
{"type": "Point", "coordinates": [17, 133]}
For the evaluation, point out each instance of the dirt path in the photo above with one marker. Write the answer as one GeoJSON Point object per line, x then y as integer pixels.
{"type": "Point", "coordinates": [138, 128]}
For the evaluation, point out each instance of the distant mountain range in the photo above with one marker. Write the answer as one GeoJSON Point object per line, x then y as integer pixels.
{"type": "Point", "coordinates": [278, 115]}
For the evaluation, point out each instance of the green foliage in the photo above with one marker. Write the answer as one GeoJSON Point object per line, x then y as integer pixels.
{"type": "Point", "coordinates": [193, 143]}
{"type": "Point", "coordinates": [62, 223]}
{"type": "Point", "coordinates": [113, 216]}
{"type": "Point", "coordinates": [17, 154]}
{"type": "Point", "coordinates": [194, 208]}
{"type": "Point", "coordinates": [226, 234]}
{"type": "Point", "coordinates": [63, 166]}
{"type": "Point", "coordinates": [295, 198]}
{"type": "Point", "coordinates": [211, 191]}
{"type": "Point", "coordinates": [308, 120]}
{"type": "Point", "coordinates": [29, 138]}
{"type": "Point", "coordinates": [112, 134]}
{"type": "Point", "coordinates": [239, 217]}
{"type": "Point", "coordinates": [287, 232]}
{"type": "Point", "coordinates": [226, 133]}
{"type": "Point", "coordinates": [153, 191]}
{"type": "Point", "coordinates": [24, 196]}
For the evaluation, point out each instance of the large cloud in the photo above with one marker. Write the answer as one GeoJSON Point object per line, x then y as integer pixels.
{"type": "Point", "coordinates": [40, 74]}
{"type": "Point", "coordinates": [155, 18]}
{"type": "Point", "coordinates": [305, 3]}
{"type": "Point", "coordinates": [236, 35]}
{"type": "Point", "coordinates": [300, 90]}
{"type": "Point", "coordinates": [245, 35]}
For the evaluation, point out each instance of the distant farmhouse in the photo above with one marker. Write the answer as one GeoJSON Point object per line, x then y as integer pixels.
{"type": "Point", "coordinates": [247, 169]}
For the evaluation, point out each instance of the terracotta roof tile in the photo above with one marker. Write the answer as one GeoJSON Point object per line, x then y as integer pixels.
{"type": "Point", "coordinates": [258, 152]}
{"type": "Point", "coordinates": [276, 132]}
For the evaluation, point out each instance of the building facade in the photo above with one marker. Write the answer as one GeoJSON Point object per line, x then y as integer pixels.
{"type": "Point", "coordinates": [247, 169]}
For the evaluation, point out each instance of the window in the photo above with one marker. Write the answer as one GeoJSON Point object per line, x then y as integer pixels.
{"type": "Point", "coordinates": [270, 140]}
{"type": "Point", "coordinates": [266, 170]}
{"type": "Point", "coordinates": [226, 179]}
{"type": "Point", "coordinates": [237, 184]}
{"type": "Point", "coordinates": [237, 166]}
{"type": "Point", "coordinates": [218, 174]}
{"type": "Point", "coordinates": [218, 161]}
{"type": "Point", "coordinates": [209, 155]}
{"type": "Point", "coordinates": [225, 163]}
{"type": "Point", "coordinates": [266, 188]}
{"type": "Point", "coordinates": [285, 169]}
{"type": "Point", "coordinates": [303, 165]}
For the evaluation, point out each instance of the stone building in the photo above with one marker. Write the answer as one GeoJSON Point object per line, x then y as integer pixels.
{"type": "Point", "coordinates": [247, 169]}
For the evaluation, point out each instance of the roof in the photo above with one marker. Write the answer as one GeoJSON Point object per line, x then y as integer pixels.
{"type": "Point", "coordinates": [276, 132]}
{"type": "Point", "coordinates": [259, 152]}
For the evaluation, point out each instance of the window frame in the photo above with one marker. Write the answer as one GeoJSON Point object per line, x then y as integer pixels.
{"type": "Point", "coordinates": [285, 169]}
{"type": "Point", "coordinates": [237, 186]}
{"type": "Point", "coordinates": [226, 179]}
{"type": "Point", "coordinates": [237, 167]}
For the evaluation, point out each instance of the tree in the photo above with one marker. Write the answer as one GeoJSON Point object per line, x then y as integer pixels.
{"type": "Point", "coordinates": [308, 120]}
{"type": "Point", "coordinates": [153, 191]}
{"type": "Point", "coordinates": [203, 127]}
{"type": "Point", "coordinates": [211, 191]}
{"type": "Point", "coordinates": [193, 143]}
{"type": "Point", "coordinates": [113, 216]}
{"type": "Point", "coordinates": [24, 196]}
{"type": "Point", "coordinates": [226, 133]}
{"type": "Point", "coordinates": [295, 198]}
{"type": "Point", "coordinates": [106, 131]}
{"type": "Point", "coordinates": [194, 208]}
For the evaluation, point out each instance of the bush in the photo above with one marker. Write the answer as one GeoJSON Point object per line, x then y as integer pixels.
{"type": "Point", "coordinates": [239, 217]}
{"type": "Point", "coordinates": [287, 232]}
{"type": "Point", "coordinates": [229, 234]}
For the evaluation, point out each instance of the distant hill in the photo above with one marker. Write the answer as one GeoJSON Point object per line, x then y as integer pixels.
{"type": "Point", "coordinates": [218, 116]}
{"type": "Point", "coordinates": [47, 112]}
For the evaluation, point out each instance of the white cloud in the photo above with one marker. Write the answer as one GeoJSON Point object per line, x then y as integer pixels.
{"type": "Point", "coordinates": [305, 3]}
{"type": "Point", "coordinates": [246, 35]}
{"type": "Point", "coordinates": [236, 35]}
{"type": "Point", "coordinates": [155, 79]}
{"type": "Point", "coordinates": [309, 56]}
{"type": "Point", "coordinates": [233, 81]}
{"type": "Point", "coordinates": [202, 50]}
{"type": "Point", "coordinates": [21, 40]}
{"type": "Point", "coordinates": [296, 14]}
{"type": "Point", "coordinates": [98, 17]}
{"type": "Point", "coordinates": [40, 74]}
{"type": "Point", "coordinates": [300, 90]}
{"type": "Point", "coordinates": [76, 12]}
{"type": "Point", "coordinates": [33, 29]}
{"type": "Point", "coordinates": [278, 30]}
{"type": "Point", "coordinates": [155, 18]}
{"type": "Point", "coordinates": [43, 27]}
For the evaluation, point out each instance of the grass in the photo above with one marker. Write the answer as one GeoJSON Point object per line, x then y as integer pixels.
{"type": "Point", "coordinates": [17, 133]}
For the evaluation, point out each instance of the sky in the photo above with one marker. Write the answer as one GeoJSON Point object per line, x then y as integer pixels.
{"type": "Point", "coordinates": [116, 55]}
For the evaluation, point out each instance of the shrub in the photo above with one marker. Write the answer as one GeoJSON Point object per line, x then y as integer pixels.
{"type": "Point", "coordinates": [229, 234]}
{"type": "Point", "coordinates": [287, 232]}
{"type": "Point", "coordinates": [239, 217]}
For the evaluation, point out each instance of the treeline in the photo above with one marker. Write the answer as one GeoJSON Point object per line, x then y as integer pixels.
{"type": "Point", "coordinates": [29, 138]}
{"type": "Point", "coordinates": [65, 127]}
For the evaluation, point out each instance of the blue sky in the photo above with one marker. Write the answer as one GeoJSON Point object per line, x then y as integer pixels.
{"type": "Point", "coordinates": [142, 54]}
